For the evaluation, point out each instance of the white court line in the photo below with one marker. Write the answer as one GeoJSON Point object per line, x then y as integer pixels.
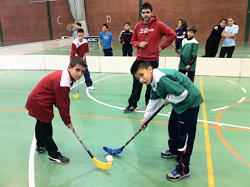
{"type": "Point", "coordinates": [244, 90]}
{"type": "Point", "coordinates": [231, 82]}
{"type": "Point", "coordinates": [120, 108]}
{"type": "Point", "coordinates": [32, 152]}
{"type": "Point", "coordinates": [88, 94]}
{"type": "Point", "coordinates": [84, 80]}
{"type": "Point", "coordinates": [225, 124]}
{"type": "Point", "coordinates": [242, 99]}
{"type": "Point", "coordinates": [31, 163]}
{"type": "Point", "coordinates": [112, 106]}
{"type": "Point", "coordinates": [219, 108]}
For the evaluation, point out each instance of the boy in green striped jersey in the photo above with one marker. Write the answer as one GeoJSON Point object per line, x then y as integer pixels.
{"type": "Point", "coordinates": [188, 52]}
{"type": "Point", "coordinates": [176, 89]}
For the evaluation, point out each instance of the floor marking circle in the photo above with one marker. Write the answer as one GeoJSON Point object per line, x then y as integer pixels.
{"type": "Point", "coordinates": [242, 99]}
{"type": "Point", "coordinates": [112, 106]}
{"type": "Point", "coordinates": [222, 137]}
{"type": "Point", "coordinates": [141, 111]}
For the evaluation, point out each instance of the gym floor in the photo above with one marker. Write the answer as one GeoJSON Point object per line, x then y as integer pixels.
{"type": "Point", "coordinates": [221, 154]}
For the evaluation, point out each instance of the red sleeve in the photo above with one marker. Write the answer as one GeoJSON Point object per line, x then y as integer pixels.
{"type": "Point", "coordinates": [134, 40]}
{"type": "Point", "coordinates": [63, 103]}
{"type": "Point", "coordinates": [73, 50]}
{"type": "Point", "coordinates": [171, 35]}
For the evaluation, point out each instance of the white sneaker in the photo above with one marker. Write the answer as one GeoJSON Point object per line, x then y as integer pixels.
{"type": "Point", "coordinates": [91, 87]}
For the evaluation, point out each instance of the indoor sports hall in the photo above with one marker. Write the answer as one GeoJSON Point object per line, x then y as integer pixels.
{"type": "Point", "coordinates": [42, 45]}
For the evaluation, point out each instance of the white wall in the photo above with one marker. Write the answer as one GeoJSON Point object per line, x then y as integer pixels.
{"type": "Point", "coordinates": [34, 47]}
{"type": "Point", "coordinates": [234, 67]}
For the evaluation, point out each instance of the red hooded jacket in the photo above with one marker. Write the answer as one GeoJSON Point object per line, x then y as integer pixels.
{"type": "Point", "coordinates": [151, 33]}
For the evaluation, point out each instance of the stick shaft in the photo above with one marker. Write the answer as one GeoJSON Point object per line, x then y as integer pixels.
{"type": "Point", "coordinates": [78, 86]}
{"type": "Point", "coordinates": [80, 140]}
{"type": "Point", "coordinates": [159, 109]}
{"type": "Point", "coordinates": [131, 139]}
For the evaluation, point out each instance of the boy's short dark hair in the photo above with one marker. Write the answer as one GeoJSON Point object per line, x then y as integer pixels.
{"type": "Point", "coordinates": [127, 23]}
{"type": "Point", "coordinates": [80, 31]}
{"type": "Point", "coordinates": [139, 64]}
{"type": "Point", "coordinates": [105, 25]}
{"type": "Point", "coordinates": [79, 24]}
{"type": "Point", "coordinates": [192, 28]}
{"type": "Point", "coordinates": [146, 5]}
{"type": "Point", "coordinates": [77, 60]}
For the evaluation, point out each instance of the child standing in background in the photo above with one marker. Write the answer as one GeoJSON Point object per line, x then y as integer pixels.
{"type": "Point", "coordinates": [229, 35]}
{"type": "Point", "coordinates": [106, 41]}
{"type": "Point", "coordinates": [213, 41]}
{"type": "Point", "coordinates": [73, 27]}
{"type": "Point", "coordinates": [125, 39]}
{"type": "Point", "coordinates": [188, 54]}
{"type": "Point", "coordinates": [181, 33]}
{"type": "Point", "coordinates": [80, 48]}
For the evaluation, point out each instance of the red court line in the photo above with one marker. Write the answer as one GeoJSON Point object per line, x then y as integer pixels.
{"type": "Point", "coordinates": [89, 116]}
{"type": "Point", "coordinates": [105, 117]}
{"type": "Point", "coordinates": [114, 118]}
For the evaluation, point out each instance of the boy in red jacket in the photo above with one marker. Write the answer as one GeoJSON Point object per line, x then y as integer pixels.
{"type": "Point", "coordinates": [53, 90]}
{"type": "Point", "coordinates": [146, 38]}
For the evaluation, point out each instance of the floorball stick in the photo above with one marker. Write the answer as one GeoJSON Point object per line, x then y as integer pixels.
{"type": "Point", "coordinates": [119, 150]}
{"type": "Point", "coordinates": [99, 164]}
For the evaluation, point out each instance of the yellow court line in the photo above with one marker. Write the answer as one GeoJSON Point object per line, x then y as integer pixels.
{"type": "Point", "coordinates": [11, 75]}
{"type": "Point", "coordinates": [5, 72]}
{"type": "Point", "coordinates": [210, 170]}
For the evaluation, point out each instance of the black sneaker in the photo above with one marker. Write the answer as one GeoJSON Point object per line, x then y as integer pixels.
{"type": "Point", "coordinates": [168, 154]}
{"type": "Point", "coordinates": [40, 149]}
{"type": "Point", "coordinates": [130, 109]}
{"type": "Point", "coordinates": [174, 176]}
{"type": "Point", "coordinates": [59, 159]}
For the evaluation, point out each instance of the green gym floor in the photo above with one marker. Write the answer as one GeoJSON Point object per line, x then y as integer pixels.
{"type": "Point", "coordinates": [221, 155]}
{"type": "Point", "coordinates": [241, 50]}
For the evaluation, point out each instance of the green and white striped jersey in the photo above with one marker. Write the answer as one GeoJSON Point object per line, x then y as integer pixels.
{"type": "Point", "coordinates": [176, 87]}
{"type": "Point", "coordinates": [188, 49]}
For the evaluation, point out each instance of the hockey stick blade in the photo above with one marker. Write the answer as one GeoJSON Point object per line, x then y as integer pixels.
{"type": "Point", "coordinates": [113, 151]}
{"type": "Point", "coordinates": [102, 165]}
{"type": "Point", "coordinates": [76, 96]}
{"type": "Point", "coordinates": [77, 93]}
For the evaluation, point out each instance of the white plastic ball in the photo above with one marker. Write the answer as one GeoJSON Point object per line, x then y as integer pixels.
{"type": "Point", "coordinates": [109, 158]}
